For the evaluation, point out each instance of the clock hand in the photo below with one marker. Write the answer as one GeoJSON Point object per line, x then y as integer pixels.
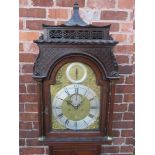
{"type": "Point", "coordinates": [70, 103]}
{"type": "Point", "coordinates": [76, 73]}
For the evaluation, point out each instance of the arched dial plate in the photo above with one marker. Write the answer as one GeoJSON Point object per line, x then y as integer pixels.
{"type": "Point", "coordinates": [76, 107]}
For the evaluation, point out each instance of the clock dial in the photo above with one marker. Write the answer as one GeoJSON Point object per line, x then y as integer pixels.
{"type": "Point", "coordinates": [76, 72]}
{"type": "Point", "coordinates": [76, 109]}
{"type": "Point", "coordinates": [75, 98]}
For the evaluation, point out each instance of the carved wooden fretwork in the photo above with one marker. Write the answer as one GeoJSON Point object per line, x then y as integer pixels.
{"type": "Point", "coordinates": [76, 35]}
{"type": "Point", "coordinates": [50, 54]}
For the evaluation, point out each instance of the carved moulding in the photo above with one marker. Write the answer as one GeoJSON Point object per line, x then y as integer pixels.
{"type": "Point", "coordinates": [50, 54]}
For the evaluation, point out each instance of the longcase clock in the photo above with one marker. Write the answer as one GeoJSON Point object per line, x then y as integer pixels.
{"type": "Point", "coordinates": [76, 72]}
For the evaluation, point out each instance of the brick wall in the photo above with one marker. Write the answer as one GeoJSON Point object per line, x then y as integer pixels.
{"type": "Point", "coordinates": [120, 13]}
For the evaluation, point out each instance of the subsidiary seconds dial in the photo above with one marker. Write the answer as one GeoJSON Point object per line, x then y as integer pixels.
{"type": "Point", "coordinates": [76, 107]}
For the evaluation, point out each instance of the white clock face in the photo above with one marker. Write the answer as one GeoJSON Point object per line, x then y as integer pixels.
{"type": "Point", "coordinates": [76, 106]}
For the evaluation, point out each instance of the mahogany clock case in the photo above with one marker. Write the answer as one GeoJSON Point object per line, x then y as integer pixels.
{"type": "Point", "coordinates": [75, 41]}
{"type": "Point", "coordinates": [60, 55]}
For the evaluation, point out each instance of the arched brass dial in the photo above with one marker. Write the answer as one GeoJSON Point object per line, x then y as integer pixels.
{"type": "Point", "coordinates": [76, 106]}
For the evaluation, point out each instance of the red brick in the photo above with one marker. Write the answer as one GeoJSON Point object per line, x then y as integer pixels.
{"type": "Point", "coordinates": [126, 69]}
{"type": "Point", "coordinates": [130, 79]}
{"type": "Point", "coordinates": [126, 4]}
{"type": "Point", "coordinates": [111, 149]}
{"type": "Point", "coordinates": [27, 57]}
{"type": "Point", "coordinates": [26, 79]}
{"type": "Point", "coordinates": [128, 116]}
{"type": "Point", "coordinates": [28, 134]}
{"type": "Point", "coordinates": [129, 98]}
{"type": "Point", "coordinates": [32, 12]}
{"type": "Point", "coordinates": [133, 59]}
{"type": "Point", "coordinates": [31, 48]}
{"type": "Point", "coordinates": [120, 37]}
{"type": "Point", "coordinates": [27, 68]}
{"type": "Point", "coordinates": [37, 24]}
{"type": "Point", "coordinates": [121, 59]}
{"type": "Point", "coordinates": [130, 141]}
{"type": "Point", "coordinates": [35, 125]}
{"type": "Point", "coordinates": [20, 24]}
{"type": "Point", "coordinates": [22, 88]}
{"type": "Point", "coordinates": [31, 107]}
{"type": "Point", "coordinates": [118, 98]}
{"type": "Point", "coordinates": [132, 17]}
{"type": "Point", "coordinates": [31, 88]}
{"type": "Point", "coordinates": [61, 22]}
{"type": "Point", "coordinates": [21, 47]}
{"type": "Point", "coordinates": [21, 142]}
{"type": "Point", "coordinates": [131, 38]}
{"type": "Point", "coordinates": [120, 107]}
{"type": "Point", "coordinates": [126, 27]}
{"type": "Point", "coordinates": [58, 13]}
{"type": "Point", "coordinates": [114, 26]}
{"type": "Point", "coordinates": [101, 4]}
{"type": "Point", "coordinates": [28, 117]}
{"type": "Point", "coordinates": [117, 116]}
{"type": "Point", "coordinates": [23, 2]}
{"type": "Point", "coordinates": [116, 133]}
{"type": "Point", "coordinates": [69, 3]}
{"type": "Point", "coordinates": [28, 98]}
{"type": "Point", "coordinates": [125, 89]}
{"type": "Point", "coordinates": [126, 149]}
{"type": "Point", "coordinates": [121, 80]}
{"type": "Point", "coordinates": [28, 151]}
{"type": "Point", "coordinates": [123, 124]}
{"type": "Point", "coordinates": [126, 49]}
{"type": "Point", "coordinates": [21, 107]}
{"type": "Point", "coordinates": [25, 125]}
{"type": "Point", "coordinates": [114, 15]}
{"type": "Point", "coordinates": [131, 108]}
{"type": "Point", "coordinates": [28, 36]}
{"type": "Point", "coordinates": [118, 141]}
{"type": "Point", "coordinates": [127, 133]}
{"type": "Point", "coordinates": [32, 142]}
{"type": "Point", "coordinates": [45, 3]}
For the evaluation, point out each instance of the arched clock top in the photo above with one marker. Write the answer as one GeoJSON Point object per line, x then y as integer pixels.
{"type": "Point", "coordinates": [51, 54]}
{"type": "Point", "coordinates": [81, 61]}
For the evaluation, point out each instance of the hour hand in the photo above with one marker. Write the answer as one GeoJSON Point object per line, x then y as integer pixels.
{"type": "Point", "coordinates": [68, 101]}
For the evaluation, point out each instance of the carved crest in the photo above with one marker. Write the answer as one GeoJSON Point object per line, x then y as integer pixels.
{"type": "Point", "coordinates": [75, 37]}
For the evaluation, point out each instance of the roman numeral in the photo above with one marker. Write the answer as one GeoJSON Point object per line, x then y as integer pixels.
{"type": "Point", "coordinates": [85, 122]}
{"type": "Point", "coordinates": [91, 99]}
{"type": "Point", "coordinates": [60, 115]}
{"type": "Point", "coordinates": [66, 91]}
{"type": "Point", "coordinates": [85, 93]}
{"type": "Point", "coordinates": [58, 107]}
{"type": "Point", "coordinates": [59, 98]}
{"type": "Point", "coordinates": [93, 107]}
{"type": "Point", "coordinates": [75, 124]}
{"type": "Point", "coordinates": [76, 89]}
{"type": "Point", "coordinates": [67, 122]}
{"type": "Point", "coordinates": [91, 116]}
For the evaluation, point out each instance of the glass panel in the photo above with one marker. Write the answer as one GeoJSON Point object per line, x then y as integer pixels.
{"type": "Point", "coordinates": [75, 98]}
